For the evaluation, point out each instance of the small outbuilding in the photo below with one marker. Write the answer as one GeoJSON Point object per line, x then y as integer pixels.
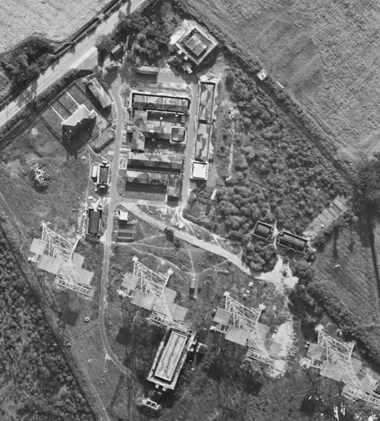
{"type": "Point", "coordinates": [263, 231]}
{"type": "Point", "coordinates": [292, 242]}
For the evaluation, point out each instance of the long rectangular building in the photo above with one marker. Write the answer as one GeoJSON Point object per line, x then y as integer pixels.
{"type": "Point", "coordinates": [206, 102]}
{"type": "Point", "coordinates": [170, 358]}
{"type": "Point", "coordinates": [155, 162]}
{"type": "Point", "coordinates": [158, 102]}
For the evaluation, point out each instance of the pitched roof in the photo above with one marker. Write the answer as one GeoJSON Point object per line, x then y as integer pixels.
{"type": "Point", "coordinates": [82, 113]}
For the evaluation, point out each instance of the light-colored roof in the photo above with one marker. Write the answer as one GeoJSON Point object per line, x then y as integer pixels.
{"type": "Point", "coordinates": [178, 312]}
{"type": "Point", "coordinates": [222, 317]}
{"type": "Point", "coordinates": [83, 276]}
{"type": "Point", "coordinates": [129, 281]}
{"type": "Point", "coordinates": [332, 371]}
{"type": "Point", "coordinates": [237, 336]}
{"type": "Point", "coordinates": [143, 300]}
{"type": "Point", "coordinates": [314, 352]}
{"type": "Point", "coordinates": [78, 259]}
{"type": "Point", "coordinates": [199, 170]}
{"type": "Point", "coordinates": [38, 246]}
{"type": "Point", "coordinates": [123, 216]}
{"type": "Point", "coordinates": [82, 113]}
{"type": "Point", "coordinates": [170, 295]}
{"type": "Point", "coordinates": [170, 356]}
{"type": "Point", "coordinates": [49, 264]}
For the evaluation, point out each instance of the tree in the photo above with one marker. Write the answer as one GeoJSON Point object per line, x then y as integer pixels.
{"type": "Point", "coordinates": [104, 44]}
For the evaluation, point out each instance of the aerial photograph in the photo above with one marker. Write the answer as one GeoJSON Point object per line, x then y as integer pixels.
{"type": "Point", "coordinates": [189, 210]}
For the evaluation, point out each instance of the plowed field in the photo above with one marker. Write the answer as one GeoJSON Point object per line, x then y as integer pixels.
{"type": "Point", "coordinates": [54, 19]}
{"type": "Point", "coordinates": [326, 52]}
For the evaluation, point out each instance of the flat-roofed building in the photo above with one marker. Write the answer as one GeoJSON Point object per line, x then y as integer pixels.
{"type": "Point", "coordinates": [195, 45]}
{"type": "Point", "coordinates": [149, 178]}
{"type": "Point", "coordinates": [263, 230]}
{"type": "Point", "coordinates": [178, 134]}
{"type": "Point", "coordinates": [80, 119]}
{"type": "Point", "coordinates": [202, 142]}
{"type": "Point", "coordinates": [170, 358]}
{"type": "Point", "coordinates": [99, 93]}
{"type": "Point", "coordinates": [157, 102]}
{"type": "Point", "coordinates": [199, 170]}
{"type": "Point", "coordinates": [147, 70]}
{"type": "Point", "coordinates": [155, 162]}
{"type": "Point", "coordinates": [206, 102]}
{"type": "Point", "coordinates": [103, 176]}
{"type": "Point", "coordinates": [94, 218]}
{"type": "Point", "coordinates": [292, 242]}
{"type": "Point", "coordinates": [174, 186]}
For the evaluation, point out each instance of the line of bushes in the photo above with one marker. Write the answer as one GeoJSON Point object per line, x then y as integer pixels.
{"type": "Point", "coordinates": [351, 325]}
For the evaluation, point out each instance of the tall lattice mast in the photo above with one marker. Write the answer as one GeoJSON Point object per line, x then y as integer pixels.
{"type": "Point", "coordinates": [241, 325]}
{"type": "Point", "coordinates": [63, 250]}
{"type": "Point", "coordinates": [340, 354]}
{"type": "Point", "coordinates": [154, 284]}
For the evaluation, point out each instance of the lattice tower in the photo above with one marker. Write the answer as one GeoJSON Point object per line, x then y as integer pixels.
{"type": "Point", "coordinates": [340, 353]}
{"type": "Point", "coordinates": [63, 249]}
{"type": "Point", "coordinates": [247, 319]}
{"type": "Point", "coordinates": [154, 284]}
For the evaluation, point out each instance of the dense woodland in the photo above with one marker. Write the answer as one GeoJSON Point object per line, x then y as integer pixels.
{"type": "Point", "coordinates": [36, 381]}
{"type": "Point", "coordinates": [26, 61]}
{"type": "Point", "coordinates": [278, 174]}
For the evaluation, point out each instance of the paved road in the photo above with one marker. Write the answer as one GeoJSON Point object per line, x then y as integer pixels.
{"type": "Point", "coordinates": [190, 142]}
{"type": "Point", "coordinates": [114, 198]}
{"type": "Point", "coordinates": [64, 64]}
{"type": "Point", "coordinates": [185, 236]}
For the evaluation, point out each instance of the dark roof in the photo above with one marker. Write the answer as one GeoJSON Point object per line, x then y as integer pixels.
{"type": "Point", "coordinates": [165, 103]}
{"type": "Point", "coordinates": [178, 134]}
{"type": "Point", "coordinates": [263, 230]}
{"type": "Point", "coordinates": [150, 178]}
{"type": "Point", "coordinates": [94, 221]}
{"type": "Point", "coordinates": [155, 161]}
{"type": "Point", "coordinates": [103, 174]}
{"type": "Point", "coordinates": [286, 239]}
{"type": "Point", "coordinates": [99, 93]}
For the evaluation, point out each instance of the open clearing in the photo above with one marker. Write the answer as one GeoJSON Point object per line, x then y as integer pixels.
{"type": "Point", "coordinates": [53, 19]}
{"type": "Point", "coordinates": [325, 52]}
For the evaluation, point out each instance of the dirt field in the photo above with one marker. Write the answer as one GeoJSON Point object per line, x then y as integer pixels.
{"type": "Point", "coordinates": [53, 19]}
{"type": "Point", "coordinates": [325, 52]}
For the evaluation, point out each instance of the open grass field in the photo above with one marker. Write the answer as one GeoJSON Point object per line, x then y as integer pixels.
{"type": "Point", "coordinates": [324, 52]}
{"type": "Point", "coordinates": [52, 19]}
{"type": "Point", "coordinates": [61, 203]}
{"type": "Point", "coordinates": [355, 280]}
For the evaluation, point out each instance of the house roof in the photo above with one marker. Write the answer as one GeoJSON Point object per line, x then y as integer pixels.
{"type": "Point", "coordinates": [99, 93]}
{"type": "Point", "coordinates": [94, 221]}
{"type": "Point", "coordinates": [263, 230]}
{"type": "Point", "coordinates": [82, 113]}
{"type": "Point", "coordinates": [142, 177]}
{"type": "Point", "coordinates": [292, 241]}
{"type": "Point", "coordinates": [199, 170]}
